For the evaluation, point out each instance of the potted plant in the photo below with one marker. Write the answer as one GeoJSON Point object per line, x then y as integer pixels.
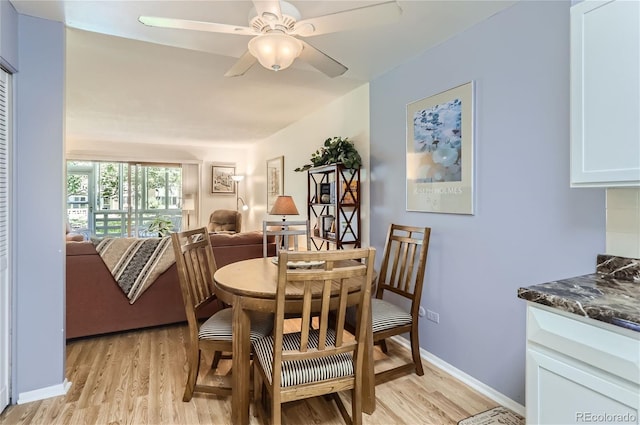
{"type": "Point", "coordinates": [335, 150]}
{"type": "Point", "coordinates": [161, 225]}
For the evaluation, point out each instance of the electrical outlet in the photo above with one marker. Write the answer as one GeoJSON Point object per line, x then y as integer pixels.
{"type": "Point", "coordinates": [433, 316]}
{"type": "Point", "coordinates": [421, 312]}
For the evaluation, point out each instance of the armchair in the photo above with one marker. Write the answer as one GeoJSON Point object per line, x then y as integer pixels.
{"type": "Point", "coordinates": [225, 221]}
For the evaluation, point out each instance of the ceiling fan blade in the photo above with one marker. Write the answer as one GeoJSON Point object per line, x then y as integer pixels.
{"type": "Point", "coordinates": [321, 61]}
{"type": "Point", "coordinates": [268, 9]}
{"type": "Point", "coordinates": [154, 21]}
{"type": "Point", "coordinates": [377, 14]}
{"type": "Point", "coordinates": [243, 64]}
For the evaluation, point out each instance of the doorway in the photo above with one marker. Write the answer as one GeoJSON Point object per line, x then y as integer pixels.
{"type": "Point", "coordinates": [5, 184]}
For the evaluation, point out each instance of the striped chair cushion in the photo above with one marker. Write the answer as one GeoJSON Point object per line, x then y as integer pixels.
{"type": "Point", "coordinates": [384, 315]}
{"type": "Point", "coordinates": [218, 326]}
{"type": "Point", "coordinates": [298, 372]}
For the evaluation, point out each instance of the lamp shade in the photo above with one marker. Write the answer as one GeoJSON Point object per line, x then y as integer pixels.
{"type": "Point", "coordinates": [275, 51]}
{"type": "Point", "coordinates": [284, 205]}
{"type": "Point", "coordinates": [244, 207]}
{"type": "Point", "coordinates": [188, 203]}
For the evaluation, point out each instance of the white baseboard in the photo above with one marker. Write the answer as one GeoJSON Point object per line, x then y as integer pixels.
{"type": "Point", "coordinates": [42, 393]}
{"type": "Point", "coordinates": [469, 380]}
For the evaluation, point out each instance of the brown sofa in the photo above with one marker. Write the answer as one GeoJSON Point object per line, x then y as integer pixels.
{"type": "Point", "coordinates": [95, 304]}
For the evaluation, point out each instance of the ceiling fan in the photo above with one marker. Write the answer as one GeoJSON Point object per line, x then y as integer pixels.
{"type": "Point", "coordinates": [276, 26]}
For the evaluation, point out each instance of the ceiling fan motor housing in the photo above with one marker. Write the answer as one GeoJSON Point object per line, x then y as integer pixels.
{"type": "Point", "coordinates": [270, 21]}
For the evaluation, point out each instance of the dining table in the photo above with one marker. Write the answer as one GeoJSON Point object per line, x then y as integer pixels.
{"type": "Point", "coordinates": [250, 285]}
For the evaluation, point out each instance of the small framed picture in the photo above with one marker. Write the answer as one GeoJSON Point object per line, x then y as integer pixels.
{"type": "Point", "coordinates": [275, 180]}
{"type": "Point", "coordinates": [221, 181]}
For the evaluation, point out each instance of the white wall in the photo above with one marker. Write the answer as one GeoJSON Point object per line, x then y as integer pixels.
{"type": "Point", "coordinates": [347, 116]}
{"type": "Point", "coordinates": [530, 227]}
{"type": "Point", "coordinates": [623, 222]}
{"type": "Point", "coordinates": [8, 36]}
{"type": "Point", "coordinates": [214, 201]}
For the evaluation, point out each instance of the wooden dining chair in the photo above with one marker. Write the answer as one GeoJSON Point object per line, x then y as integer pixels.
{"type": "Point", "coordinates": [402, 274]}
{"type": "Point", "coordinates": [284, 232]}
{"type": "Point", "coordinates": [312, 362]}
{"type": "Point", "coordinates": [196, 266]}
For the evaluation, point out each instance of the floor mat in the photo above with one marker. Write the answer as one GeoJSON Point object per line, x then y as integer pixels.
{"type": "Point", "coordinates": [496, 416]}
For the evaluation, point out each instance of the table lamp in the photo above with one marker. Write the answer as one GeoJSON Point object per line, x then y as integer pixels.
{"type": "Point", "coordinates": [284, 206]}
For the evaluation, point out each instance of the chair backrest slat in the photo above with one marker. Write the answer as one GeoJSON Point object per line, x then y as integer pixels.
{"type": "Point", "coordinates": [324, 314]}
{"type": "Point", "coordinates": [408, 268]}
{"type": "Point", "coordinates": [341, 316]}
{"type": "Point", "coordinates": [306, 319]}
{"type": "Point", "coordinates": [404, 262]}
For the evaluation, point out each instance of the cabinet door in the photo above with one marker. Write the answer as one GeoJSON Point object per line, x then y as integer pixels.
{"type": "Point", "coordinates": [605, 93]}
{"type": "Point", "coordinates": [561, 390]}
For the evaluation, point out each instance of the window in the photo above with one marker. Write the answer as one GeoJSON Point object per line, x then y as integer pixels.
{"type": "Point", "coordinates": [122, 198]}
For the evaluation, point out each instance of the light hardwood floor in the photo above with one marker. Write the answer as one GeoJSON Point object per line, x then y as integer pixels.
{"type": "Point", "coordinates": [138, 378]}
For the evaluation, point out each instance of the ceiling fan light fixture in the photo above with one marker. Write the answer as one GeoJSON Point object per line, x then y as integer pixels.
{"type": "Point", "coordinates": [275, 51]}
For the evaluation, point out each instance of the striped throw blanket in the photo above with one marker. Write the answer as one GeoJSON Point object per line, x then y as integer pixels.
{"type": "Point", "coordinates": [135, 263]}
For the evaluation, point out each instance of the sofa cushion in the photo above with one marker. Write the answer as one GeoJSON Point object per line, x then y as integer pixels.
{"type": "Point", "coordinates": [217, 240]}
{"type": "Point", "coordinates": [81, 248]}
{"type": "Point", "coordinates": [246, 238]}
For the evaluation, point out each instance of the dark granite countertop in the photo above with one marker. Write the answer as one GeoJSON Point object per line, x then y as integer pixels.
{"type": "Point", "coordinates": [611, 295]}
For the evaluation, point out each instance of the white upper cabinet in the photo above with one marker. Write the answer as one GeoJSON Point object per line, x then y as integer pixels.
{"type": "Point", "coordinates": [605, 93]}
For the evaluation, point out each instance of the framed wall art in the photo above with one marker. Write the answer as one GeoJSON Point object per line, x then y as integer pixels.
{"type": "Point", "coordinates": [275, 180]}
{"type": "Point", "coordinates": [221, 181]}
{"type": "Point", "coordinates": [440, 152]}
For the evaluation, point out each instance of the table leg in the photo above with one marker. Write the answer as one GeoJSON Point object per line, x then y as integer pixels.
{"type": "Point", "coordinates": [369, 378]}
{"type": "Point", "coordinates": [241, 363]}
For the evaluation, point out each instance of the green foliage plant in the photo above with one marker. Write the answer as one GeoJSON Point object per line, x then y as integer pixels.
{"type": "Point", "coordinates": [74, 185]}
{"type": "Point", "coordinates": [109, 179]}
{"type": "Point", "coordinates": [335, 150]}
{"type": "Point", "coordinates": [161, 225]}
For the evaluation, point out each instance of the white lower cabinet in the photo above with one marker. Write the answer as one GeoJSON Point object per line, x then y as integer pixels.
{"type": "Point", "coordinates": [580, 370]}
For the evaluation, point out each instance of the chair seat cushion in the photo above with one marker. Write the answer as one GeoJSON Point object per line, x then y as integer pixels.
{"type": "Point", "coordinates": [298, 372]}
{"type": "Point", "coordinates": [218, 327]}
{"type": "Point", "coordinates": [384, 315]}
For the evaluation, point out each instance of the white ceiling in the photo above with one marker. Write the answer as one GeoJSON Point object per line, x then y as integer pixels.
{"type": "Point", "coordinates": [127, 82]}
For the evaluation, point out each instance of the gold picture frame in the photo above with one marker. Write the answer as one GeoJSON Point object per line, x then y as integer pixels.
{"type": "Point", "coordinates": [221, 181]}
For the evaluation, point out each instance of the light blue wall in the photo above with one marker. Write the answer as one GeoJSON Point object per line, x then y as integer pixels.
{"type": "Point", "coordinates": [8, 36]}
{"type": "Point", "coordinates": [38, 223]}
{"type": "Point", "coordinates": [529, 226]}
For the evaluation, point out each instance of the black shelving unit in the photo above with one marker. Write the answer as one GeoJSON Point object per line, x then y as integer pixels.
{"type": "Point", "coordinates": [333, 206]}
